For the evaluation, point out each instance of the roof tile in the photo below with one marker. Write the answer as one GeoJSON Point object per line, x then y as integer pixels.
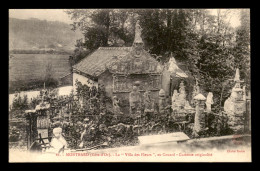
{"type": "Point", "coordinates": [95, 63]}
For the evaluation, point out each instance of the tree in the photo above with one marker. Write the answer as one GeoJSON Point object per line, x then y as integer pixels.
{"type": "Point", "coordinates": [242, 47]}
{"type": "Point", "coordinates": [49, 79]}
{"type": "Point", "coordinates": [101, 27]}
{"type": "Point", "coordinates": [209, 46]}
{"type": "Point", "coordinates": [20, 103]}
{"type": "Point", "coordinates": [212, 61]}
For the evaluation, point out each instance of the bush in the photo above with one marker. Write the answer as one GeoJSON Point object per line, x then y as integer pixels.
{"type": "Point", "coordinates": [20, 103]}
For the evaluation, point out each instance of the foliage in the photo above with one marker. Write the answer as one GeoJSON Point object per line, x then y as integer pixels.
{"type": "Point", "coordinates": [29, 74]}
{"type": "Point", "coordinates": [20, 103]}
{"type": "Point", "coordinates": [49, 79]}
{"type": "Point", "coordinates": [242, 48]}
{"type": "Point", "coordinates": [14, 134]}
{"type": "Point", "coordinates": [209, 46]}
{"type": "Point", "coordinates": [216, 125]}
{"type": "Point", "coordinates": [107, 27]}
{"type": "Point", "coordinates": [117, 130]}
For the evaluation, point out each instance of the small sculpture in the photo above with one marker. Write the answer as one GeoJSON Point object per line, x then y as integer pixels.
{"type": "Point", "coordinates": [134, 100]}
{"type": "Point", "coordinates": [58, 143]}
{"type": "Point", "coordinates": [116, 105]}
{"type": "Point", "coordinates": [209, 102]}
{"type": "Point", "coordinates": [182, 95]}
{"type": "Point", "coordinates": [162, 101]}
{"type": "Point", "coordinates": [174, 99]}
{"type": "Point", "coordinates": [148, 102]}
{"type": "Point", "coordinates": [235, 105]}
{"type": "Point", "coordinates": [138, 42]}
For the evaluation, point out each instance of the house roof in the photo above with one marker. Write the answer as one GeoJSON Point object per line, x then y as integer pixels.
{"type": "Point", "coordinates": [96, 63]}
{"type": "Point", "coordinates": [65, 75]}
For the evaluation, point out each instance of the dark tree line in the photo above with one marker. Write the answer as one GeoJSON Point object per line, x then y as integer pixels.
{"type": "Point", "coordinates": [209, 46]}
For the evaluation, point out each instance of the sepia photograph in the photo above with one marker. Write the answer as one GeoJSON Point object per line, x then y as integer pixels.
{"type": "Point", "coordinates": [129, 85]}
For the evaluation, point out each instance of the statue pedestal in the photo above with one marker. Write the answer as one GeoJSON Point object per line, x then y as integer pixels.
{"type": "Point", "coordinates": [235, 115]}
{"type": "Point", "coordinates": [239, 107]}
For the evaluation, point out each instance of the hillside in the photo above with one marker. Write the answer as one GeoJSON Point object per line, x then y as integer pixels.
{"type": "Point", "coordinates": [34, 34]}
{"type": "Point", "coordinates": [27, 71]}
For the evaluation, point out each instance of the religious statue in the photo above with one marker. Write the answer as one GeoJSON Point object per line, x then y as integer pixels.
{"type": "Point", "coordinates": [196, 91]}
{"type": "Point", "coordinates": [235, 105]}
{"type": "Point", "coordinates": [209, 102]}
{"type": "Point", "coordinates": [134, 100]}
{"type": "Point", "coordinates": [138, 31]}
{"type": "Point", "coordinates": [162, 101]}
{"type": "Point", "coordinates": [148, 102]}
{"type": "Point", "coordinates": [58, 142]}
{"type": "Point", "coordinates": [233, 102]}
{"type": "Point", "coordinates": [138, 42]}
{"type": "Point", "coordinates": [116, 105]}
{"type": "Point", "coordinates": [174, 99]}
{"type": "Point", "coordinates": [182, 95]}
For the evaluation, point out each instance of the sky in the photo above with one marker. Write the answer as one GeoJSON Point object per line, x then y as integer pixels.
{"type": "Point", "coordinates": [233, 17]}
{"type": "Point", "coordinates": [60, 15]}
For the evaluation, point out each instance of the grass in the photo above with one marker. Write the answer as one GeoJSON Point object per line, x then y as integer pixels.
{"type": "Point", "coordinates": [27, 71]}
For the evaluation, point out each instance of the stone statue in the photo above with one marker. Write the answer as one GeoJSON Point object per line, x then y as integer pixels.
{"type": "Point", "coordinates": [174, 99]}
{"type": "Point", "coordinates": [134, 100]}
{"type": "Point", "coordinates": [209, 101]}
{"type": "Point", "coordinates": [231, 104]}
{"type": "Point", "coordinates": [235, 105]}
{"type": "Point", "coordinates": [196, 90]}
{"type": "Point", "coordinates": [148, 102]}
{"type": "Point", "coordinates": [199, 120]}
{"type": "Point", "coordinates": [182, 95]}
{"type": "Point", "coordinates": [162, 101]}
{"type": "Point", "coordinates": [138, 42]}
{"type": "Point", "coordinates": [116, 105]}
{"type": "Point", "coordinates": [138, 31]}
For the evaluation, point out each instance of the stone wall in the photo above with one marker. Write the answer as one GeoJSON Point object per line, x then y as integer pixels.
{"type": "Point", "coordinates": [66, 80]}
{"type": "Point", "coordinates": [106, 79]}
{"type": "Point", "coordinates": [83, 80]}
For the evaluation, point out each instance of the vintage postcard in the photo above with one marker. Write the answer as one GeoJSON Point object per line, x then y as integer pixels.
{"type": "Point", "coordinates": [129, 85]}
